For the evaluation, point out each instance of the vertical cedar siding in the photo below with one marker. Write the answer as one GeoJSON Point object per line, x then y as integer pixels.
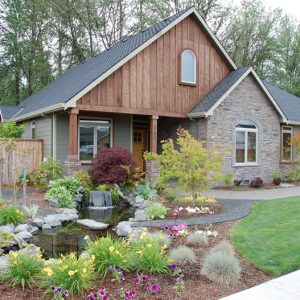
{"type": "Point", "coordinates": [150, 80]}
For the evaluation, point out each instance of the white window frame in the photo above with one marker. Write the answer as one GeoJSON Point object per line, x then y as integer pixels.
{"type": "Point", "coordinates": [92, 122]}
{"type": "Point", "coordinates": [286, 129]}
{"type": "Point", "coordinates": [195, 67]}
{"type": "Point", "coordinates": [246, 131]}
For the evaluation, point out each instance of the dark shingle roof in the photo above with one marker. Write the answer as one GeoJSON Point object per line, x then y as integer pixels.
{"type": "Point", "coordinates": [8, 112]}
{"type": "Point", "coordinates": [77, 78]}
{"type": "Point", "coordinates": [218, 91]}
{"type": "Point", "coordinates": [289, 104]}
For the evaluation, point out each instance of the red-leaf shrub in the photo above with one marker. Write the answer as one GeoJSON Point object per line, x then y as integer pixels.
{"type": "Point", "coordinates": [108, 166]}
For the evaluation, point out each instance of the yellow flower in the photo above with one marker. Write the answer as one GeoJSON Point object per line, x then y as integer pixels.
{"type": "Point", "coordinates": [71, 273]}
{"type": "Point", "coordinates": [149, 245]}
{"type": "Point", "coordinates": [117, 252]}
{"type": "Point", "coordinates": [161, 237]}
{"type": "Point", "coordinates": [111, 248]}
{"type": "Point", "coordinates": [64, 267]}
{"type": "Point", "coordinates": [93, 257]}
{"type": "Point", "coordinates": [84, 270]}
{"type": "Point", "coordinates": [72, 255]}
{"type": "Point", "coordinates": [87, 238]}
{"type": "Point", "coordinates": [48, 271]}
{"type": "Point", "coordinates": [15, 254]}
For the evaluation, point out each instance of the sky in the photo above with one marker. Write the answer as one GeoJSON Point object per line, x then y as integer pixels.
{"type": "Point", "coordinates": [290, 7]}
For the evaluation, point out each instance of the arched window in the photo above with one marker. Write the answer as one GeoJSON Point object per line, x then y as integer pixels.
{"type": "Point", "coordinates": [245, 143]}
{"type": "Point", "coordinates": [188, 67]}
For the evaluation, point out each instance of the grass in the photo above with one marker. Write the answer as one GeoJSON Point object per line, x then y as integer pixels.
{"type": "Point", "coordinates": [269, 237]}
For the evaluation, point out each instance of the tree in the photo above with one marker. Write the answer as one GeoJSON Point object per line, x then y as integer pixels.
{"type": "Point", "coordinates": [10, 129]}
{"type": "Point", "coordinates": [194, 166]}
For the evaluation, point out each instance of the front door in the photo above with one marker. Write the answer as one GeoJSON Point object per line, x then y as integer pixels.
{"type": "Point", "coordinates": [139, 147]}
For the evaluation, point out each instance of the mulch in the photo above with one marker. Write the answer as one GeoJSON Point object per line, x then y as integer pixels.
{"type": "Point", "coordinates": [196, 285]}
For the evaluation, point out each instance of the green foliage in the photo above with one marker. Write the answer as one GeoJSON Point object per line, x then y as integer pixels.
{"type": "Point", "coordinates": [293, 175]}
{"type": "Point", "coordinates": [228, 179]}
{"type": "Point", "coordinates": [147, 192]}
{"type": "Point", "coordinates": [194, 166]}
{"type": "Point", "coordinates": [182, 254]}
{"type": "Point", "coordinates": [196, 239]}
{"type": "Point", "coordinates": [24, 268]}
{"type": "Point", "coordinates": [115, 197]}
{"type": "Point", "coordinates": [30, 211]}
{"type": "Point", "coordinates": [64, 197]}
{"type": "Point", "coordinates": [5, 238]}
{"type": "Point", "coordinates": [72, 184]}
{"type": "Point", "coordinates": [276, 224]}
{"type": "Point", "coordinates": [70, 273]}
{"type": "Point", "coordinates": [277, 175]}
{"type": "Point", "coordinates": [48, 170]}
{"type": "Point", "coordinates": [84, 178]}
{"type": "Point", "coordinates": [11, 215]}
{"type": "Point", "coordinates": [108, 251]}
{"type": "Point", "coordinates": [157, 211]}
{"type": "Point", "coordinates": [11, 129]}
{"type": "Point", "coordinates": [221, 268]}
{"type": "Point", "coordinates": [150, 155]}
{"type": "Point", "coordinates": [147, 255]}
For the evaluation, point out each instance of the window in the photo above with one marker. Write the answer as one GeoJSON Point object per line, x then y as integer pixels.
{"type": "Point", "coordinates": [94, 135]}
{"type": "Point", "coordinates": [245, 143]}
{"type": "Point", "coordinates": [286, 147]}
{"type": "Point", "coordinates": [188, 67]}
{"type": "Point", "coordinates": [33, 135]}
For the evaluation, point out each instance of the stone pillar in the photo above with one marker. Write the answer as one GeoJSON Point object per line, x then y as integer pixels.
{"type": "Point", "coordinates": [152, 170]}
{"type": "Point", "coordinates": [72, 164]}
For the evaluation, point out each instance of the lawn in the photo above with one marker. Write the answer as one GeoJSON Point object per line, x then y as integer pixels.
{"type": "Point", "coordinates": [270, 236]}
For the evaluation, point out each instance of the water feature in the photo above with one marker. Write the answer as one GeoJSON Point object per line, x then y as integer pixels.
{"type": "Point", "coordinates": [70, 238]}
{"type": "Point", "coordinates": [100, 199]}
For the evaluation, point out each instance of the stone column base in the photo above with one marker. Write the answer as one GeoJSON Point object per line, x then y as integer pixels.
{"type": "Point", "coordinates": [72, 165]}
{"type": "Point", "coordinates": [152, 171]}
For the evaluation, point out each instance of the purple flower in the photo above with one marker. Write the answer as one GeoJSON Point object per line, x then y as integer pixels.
{"type": "Point", "coordinates": [66, 293]}
{"type": "Point", "coordinates": [173, 266]}
{"type": "Point", "coordinates": [154, 288]}
{"type": "Point", "coordinates": [146, 277]}
{"type": "Point", "coordinates": [110, 268]}
{"type": "Point", "coordinates": [58, 290]}
{"type": "Point", "coordinates": [119, 269]}
{"type": "Point", "coordinates": [145, 287]}
{"type": "Point", "coordinates": [136, 280]}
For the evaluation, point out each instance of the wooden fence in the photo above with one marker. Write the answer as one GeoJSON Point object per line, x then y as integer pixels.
{"type": "Point", "coordinates": [16, 153]}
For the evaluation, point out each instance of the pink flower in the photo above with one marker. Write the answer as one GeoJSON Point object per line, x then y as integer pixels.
{"type": "Point", "coordinates": [136, 280]}
{"type": "Point", "coordinates": [179, 227]}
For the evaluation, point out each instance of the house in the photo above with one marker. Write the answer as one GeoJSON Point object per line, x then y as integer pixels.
{"type": "Point", "coordinates": [174, 73]}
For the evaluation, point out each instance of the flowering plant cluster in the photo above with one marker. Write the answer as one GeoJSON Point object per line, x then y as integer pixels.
{"type": "Point", "coordinates": [175, 230]}
{"type": "Point", "coordinates": [127, 294]}
{"type": "Point", "coordinates": [117, 273]}
{"type": "Point", "coordinates": [101, 294]}
{"type": "Point", "coordinates": [144, 281]}
{"type": "Point", "coordinates": [58, 293]}
{"type": "Point", "coordinates": [177, 272]}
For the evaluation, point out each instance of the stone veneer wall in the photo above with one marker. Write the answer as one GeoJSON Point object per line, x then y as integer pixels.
{"type": "Point", "coordinates": [247, 102]}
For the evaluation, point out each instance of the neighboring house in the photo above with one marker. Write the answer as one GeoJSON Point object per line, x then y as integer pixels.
{"type": "Point", "coordinates": [138, 92]}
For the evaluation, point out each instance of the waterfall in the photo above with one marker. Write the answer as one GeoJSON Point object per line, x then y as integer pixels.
{"type": "Point", "coordinates": [100, 199]}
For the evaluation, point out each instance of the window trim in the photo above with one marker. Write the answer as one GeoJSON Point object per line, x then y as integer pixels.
{"type": "Point", "coordinates": [195, 68]}
{"type": "Point", "coordinates": [283, 130]}
{"type": "Point", "coordinates": [246, 130]}
{"type": "Point", "coordinates": [91, 121]}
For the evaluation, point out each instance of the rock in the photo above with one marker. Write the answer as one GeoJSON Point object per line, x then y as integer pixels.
{"type": "Point", "coordinates": [53, 202]}
{"type": "Point", "coordinates": [286, 185]}
{"type": "Point", "coordinates": [33, 230]}
{"type": "Point", "coordinates": [53, 220]}
{"type": "Point", "coordinates": [54, 223]}
{"type": "Point", "coordinates": [140, 215]}
{"type": "Point", "coordinates": [136, 233]}
{"type": "Point", "coordinates": [67, 211]}
{"type": "Point", "coordinates": [24, 235]}
{"type": "Point", "coordinates": [68, 217]}
{"type": "Point", "coordinates": [46, 227]}
{"type": "Point", "coordinates": [9, 228]}
{"type": "Point", "coordinates": [139, 199]}
{"type": "Point", "coordinates": [92, 224]}
{"type": "Point", "coordinates": [32, 248]}
{"type": "Point", "coordinates": [124, 229]}
{"type": "Point", "coordinates": [3, 263]}
{"type": "Point", "coordinates": [21, 227]}
{"type": "Point", "coordinates": [37, 222]}
{"type": "Point", "coordinates": [85, 255]}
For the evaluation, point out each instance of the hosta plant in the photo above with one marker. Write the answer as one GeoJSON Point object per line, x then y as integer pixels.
{"type": "Point", "coordinates": [157, 211]}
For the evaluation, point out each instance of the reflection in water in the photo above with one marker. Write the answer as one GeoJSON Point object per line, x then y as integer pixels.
{"type": "Point", "coordinates": [70, 238]}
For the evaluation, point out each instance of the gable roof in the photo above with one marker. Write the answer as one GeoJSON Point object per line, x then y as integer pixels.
{"type": "Point", "coordinates": [206, 106]}
{"type": "Point", "coordinates": [63, 92]}
{"type": "Point", "coordinates": [289, 103]}
{"type": "Point", "coordinates": [8, 112]}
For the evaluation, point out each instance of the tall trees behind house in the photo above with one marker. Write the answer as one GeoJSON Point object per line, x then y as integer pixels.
{"type": "Point", "coordinates": [40, 39]}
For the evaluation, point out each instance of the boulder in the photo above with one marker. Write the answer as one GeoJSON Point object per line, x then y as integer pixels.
{"type": "Point", "coordinates": [9, 228]}
{"type": "Point", "coordinates": [67, 211]}
{"type": "Point", "coordinates": [92, 224]}
{"type": "Point", "coordinates": [53, 202]}
{"type": "Point", "coordinates": [54, 223]}
{"type": "Point", "coordinates": [21, 227]}
{"type": "Point", "coordinates": [38, 222]}
{"type": "Point", "coordinates": [46, 227]}
{"type": "Point", "coordinates": [32, 248]}
{"type": "Point", "coordinates": [139, 199]}
{"type": "Point", "coordinates": [24, 235]}
{"type": "Point", "coordinates": [124, 228]}
{"type": "Point", "coordinates": [140, 215]}
{"type": "Point", "coordinates": [33, 230]}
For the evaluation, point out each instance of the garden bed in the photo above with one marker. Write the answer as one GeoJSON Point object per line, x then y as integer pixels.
{"type": "Point", "coordinates": [196, 285]}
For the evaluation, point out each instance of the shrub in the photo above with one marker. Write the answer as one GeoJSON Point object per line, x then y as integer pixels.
{"type": "Point", "coordinates": [10, 129]}
{"type": "Point", "coordinates": [108, 252]}
{"type": "Point", "coordinates": [108, 166]}
{"type": "Point", "coordinates": [76, 275]}
{"type": "Point", "coordinates": [147, 192]}
{"type": "Point", "coordinates": [221, 268]}
{"type": "Point", "coordinates": [148, 256]}
{"type": "Point", "coordinates": [63, 196]}
{"type": "Point", "coordinates": [157, 211]}
{"type": "Point", "coordinates": [225, 247]}
{"type": "Point", "coordinates": [11, 215]}
{"type": "Point", "coordinates": [48, 170]}
{"type": "Point", "coordinates": [228, 179]}
{"type": "Point", "coordinates": [256, 182]}
{"type": "Point", "coordinates": [237, 182]}
{"type": "Point", "coordinates": [199, 199]}
{"type": "Point", "coordinates": [84, 178]}
{"type": "Point", "coordinates": [72, 184]}
{"type": "Point", "coordinates": [182, 254]}
{"type": "Point", "coordinates": [277, 178]}
{"type": "Point", "coordinates": [24, 268]}
{"type": "Point", "coordinates": [115, 197]}
{"type": "Point", "coordinates": [196, 239]}
{"type": "Point", "coordinates": [293, 175]}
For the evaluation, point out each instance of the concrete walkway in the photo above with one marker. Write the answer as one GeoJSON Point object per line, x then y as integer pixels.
{"type": "Point", "coordinates": [259, 194]}
{"type": "Point", "coordinates": [286, 287]}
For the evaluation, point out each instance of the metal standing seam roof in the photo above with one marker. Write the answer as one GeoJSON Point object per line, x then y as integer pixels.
{"type": "Point", "coordinates": [69, 84]}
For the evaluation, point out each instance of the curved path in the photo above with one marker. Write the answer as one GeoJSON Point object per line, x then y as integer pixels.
{"type": "Point", "coordinates": [233, 210]}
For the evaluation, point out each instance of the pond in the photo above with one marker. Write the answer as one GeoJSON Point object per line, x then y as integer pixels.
{"type": "Point", "coordinates": [70, 238]}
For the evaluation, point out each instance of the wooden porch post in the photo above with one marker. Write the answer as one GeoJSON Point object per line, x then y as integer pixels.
{"type": "Point", "coordinates": [73, 135]}
{"type": "Point", "coordinates": [153, 134]}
